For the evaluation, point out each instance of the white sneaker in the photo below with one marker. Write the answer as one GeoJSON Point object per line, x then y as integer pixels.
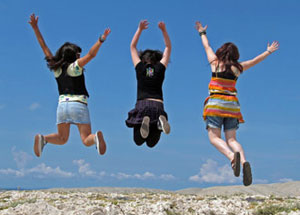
{"type": "Point", "coordinates": [39, 143]}
{"type": "Point", "coordinates": [144, 130]}
{"type": "Point", "coordinates": [164, 124]}
{"type": "Point", "coordinates": [100, 143]}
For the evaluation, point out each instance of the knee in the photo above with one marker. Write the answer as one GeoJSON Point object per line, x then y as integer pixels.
{"type": "Point", "coordinates": [63, 139]}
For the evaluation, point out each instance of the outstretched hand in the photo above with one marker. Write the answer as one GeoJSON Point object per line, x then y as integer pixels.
{"type": "Point", "coordinates": [33, 20]}
{"type": "Point", "coordinates": [199, 27]}
{"type": "Point", "coordinates": [143, 24]}
{"type": "Point", "coordinates": [106, 33]}
{"type": "Point", "coordinates": [162, 26]}
{"type": "Point", "coordinates": [273, 47]}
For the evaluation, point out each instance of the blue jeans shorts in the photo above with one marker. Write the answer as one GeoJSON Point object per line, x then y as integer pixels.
{"type": "Point", "coordinates": [228, 123]}
{"type": "Point", "coordinates": [72, 112]}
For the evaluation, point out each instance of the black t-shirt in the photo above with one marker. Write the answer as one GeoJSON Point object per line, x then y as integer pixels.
{"type": "Point", "coordinates": [150, 79]}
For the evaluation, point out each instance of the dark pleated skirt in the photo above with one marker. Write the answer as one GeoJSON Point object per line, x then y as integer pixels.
{"type": "Point", "coordinates": [150, 108]}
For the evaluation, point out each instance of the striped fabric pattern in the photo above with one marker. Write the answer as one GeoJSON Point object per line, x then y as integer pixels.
{"type": "Point", "coordinates": [222, 101]}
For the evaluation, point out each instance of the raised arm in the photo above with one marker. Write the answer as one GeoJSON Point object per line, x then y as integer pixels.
{"type": "Point", "coordinates": [34, 24]}
{"type": "Point", "coordinates": [94, 50]}
{"type": "Point", "coordinates": [134, 53]}
{"type": "Point", "coordinates": [167, 51]}
{"type": "Point", "coordinates": [211, 56]}
{"type": "Point", "coordinates": [270, 49]}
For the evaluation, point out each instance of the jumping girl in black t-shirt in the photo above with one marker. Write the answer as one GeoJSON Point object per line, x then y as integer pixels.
{"type": "Point", "coordinates": [148, 118]}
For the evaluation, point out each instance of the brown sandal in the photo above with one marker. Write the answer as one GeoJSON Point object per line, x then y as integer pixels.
{"type": "Point", "coordinates": [236, 163]}
{"type": "Point", "coordinates": [247, 175]}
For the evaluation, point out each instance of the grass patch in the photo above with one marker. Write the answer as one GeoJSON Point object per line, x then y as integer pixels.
{"type": "Point", "coordinates": [275, 209]}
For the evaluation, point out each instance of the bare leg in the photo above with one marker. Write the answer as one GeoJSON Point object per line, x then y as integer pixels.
{"type": "Point", "coordinates": [88, 139]}
{"type": "Point", "coordinates": [230, 136]}
{"type": "Point", "coordinates": [214, 135]}
{"type": "Point", "coordinates": [62, 135]}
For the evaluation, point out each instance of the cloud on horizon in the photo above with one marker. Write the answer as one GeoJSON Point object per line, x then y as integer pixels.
{"type": "Point", "coordinates": [210, 172]}
{"type": "Point", "coordinates": [39, 171]}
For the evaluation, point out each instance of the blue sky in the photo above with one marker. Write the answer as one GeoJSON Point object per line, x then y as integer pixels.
{"type": "Point", "coordinates": [268, 93]}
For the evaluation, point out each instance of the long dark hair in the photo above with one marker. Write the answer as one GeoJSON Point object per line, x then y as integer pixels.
{"type": "Point", "coordinates": [229, 54]}
{"type": "Point", "coordinates": [150, 56]}
{"type": "Point", "coordinates": [64, 56]}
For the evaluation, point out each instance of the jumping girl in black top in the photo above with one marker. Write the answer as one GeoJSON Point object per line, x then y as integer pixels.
{"type": "Point", "coordinates": [148, 118]}
{"type": "Point", "coordinates": [67, 67]}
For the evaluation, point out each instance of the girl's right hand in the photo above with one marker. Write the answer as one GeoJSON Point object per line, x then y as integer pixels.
{"type": "Point", "coordinates": [33, 21]}
{"type": "Point", "coordinates": [199, 27]}
{"type": "Point", "coordinates": [143, 24]}
{"type": "Point", "coordinates": [106, 33]}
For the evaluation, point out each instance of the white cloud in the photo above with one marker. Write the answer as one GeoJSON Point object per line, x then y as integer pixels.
{"type": "Point", "coordinates": [34, 106]}
{"type": "Point", "coordinates": [21, 158]}
{"type": "Point", "coordinates": [260, 181]}
{"type": "Point", "coordinates": [167, 177]}
{"type": "Point", "coordinates": [283, 180]}
{"type": "Point", "coordinates": [40, 171]}
{"type": "Point", "coordinates": [17, 173]}
{"type": "Point", "coordinates": [85, 170]}
{"type": "Point", "coordinates": [145, 176]}
{"type": "Point", "coordinates": [210, 172]}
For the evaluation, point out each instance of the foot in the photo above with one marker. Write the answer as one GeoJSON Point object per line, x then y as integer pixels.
{"type": "Point", "coordinates": [236, 163]}
{"type": "Point", "coordinates": [39, 143]}
{"type": "Point", "coordinates": [144, 130]}
{"type": "Point", "coordinates": [247, 175]}
{"type": "Point", "coordinates": [164, 124]}
{"type": "Point", "coordinates": [100, 143]}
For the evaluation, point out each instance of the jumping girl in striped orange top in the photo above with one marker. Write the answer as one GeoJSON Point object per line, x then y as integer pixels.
{"type": "Point", "coordinates": [222, 107]}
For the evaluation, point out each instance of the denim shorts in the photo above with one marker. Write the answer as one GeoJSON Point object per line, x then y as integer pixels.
{"type": "Point", "coordinates": [229, 123]}
{"type": "Point", "coordinates": [72, 112]}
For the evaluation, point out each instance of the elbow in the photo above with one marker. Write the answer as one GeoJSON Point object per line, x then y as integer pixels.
{"type": "Point", "coordinates": [92, 55]}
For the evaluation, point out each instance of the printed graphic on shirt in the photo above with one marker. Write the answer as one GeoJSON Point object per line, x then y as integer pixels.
{"type": "Point", "coordinates": [150, 72]}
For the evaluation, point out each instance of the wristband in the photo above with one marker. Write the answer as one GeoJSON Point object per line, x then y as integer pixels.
{"type": "Point", "coordinates": [269, 52]}
{"type": "Point", "coordinates": [202, 33]}
{"type": "Point", "coordinates": [101, 39]}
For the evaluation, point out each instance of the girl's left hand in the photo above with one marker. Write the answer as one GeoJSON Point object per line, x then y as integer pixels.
{"type": "Point", "coordinates": [162, 26]}
{"type": "Point", "coordinates": [273, 47]}
{"type": "Point", "coordinates": [106, 33]}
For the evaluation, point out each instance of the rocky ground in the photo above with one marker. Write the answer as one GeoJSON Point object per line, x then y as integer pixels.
{"type": "Point", "coordinates": [132, 201]}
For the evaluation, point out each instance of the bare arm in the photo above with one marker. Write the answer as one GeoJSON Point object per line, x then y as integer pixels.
{"type": "Point", "coordinates": [133, 50]}
{"type": "Point", "coordinates": [167, 51]}
{"type": "Point", "coordinates": [94, 50]}
{"type": "Point", "coordinates": [34, 24]}
{"type": "Point", "coordinates": [211, 56]}
{"type": "Point", "coordinates": [270, 49]}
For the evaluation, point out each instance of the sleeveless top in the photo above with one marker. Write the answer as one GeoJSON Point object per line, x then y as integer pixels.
{"type": "Point", "coordinates": [150, 79]}
{"type": "Point", "coordinates": [222, 101]}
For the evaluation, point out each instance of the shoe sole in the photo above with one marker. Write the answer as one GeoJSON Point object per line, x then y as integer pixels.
{"type": "Point", "coordinates": [164, 124]}
{"type": "Point", "coordinates": [237, 164]}
{"type": "Point", "coordinates": [101, 145]}
{"type": "Point", "coordinates": [247, 175]}
{"type": "Point", "coordinates": [37, 147]}
{"type": "Point", "coordinates": [144, 130]}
